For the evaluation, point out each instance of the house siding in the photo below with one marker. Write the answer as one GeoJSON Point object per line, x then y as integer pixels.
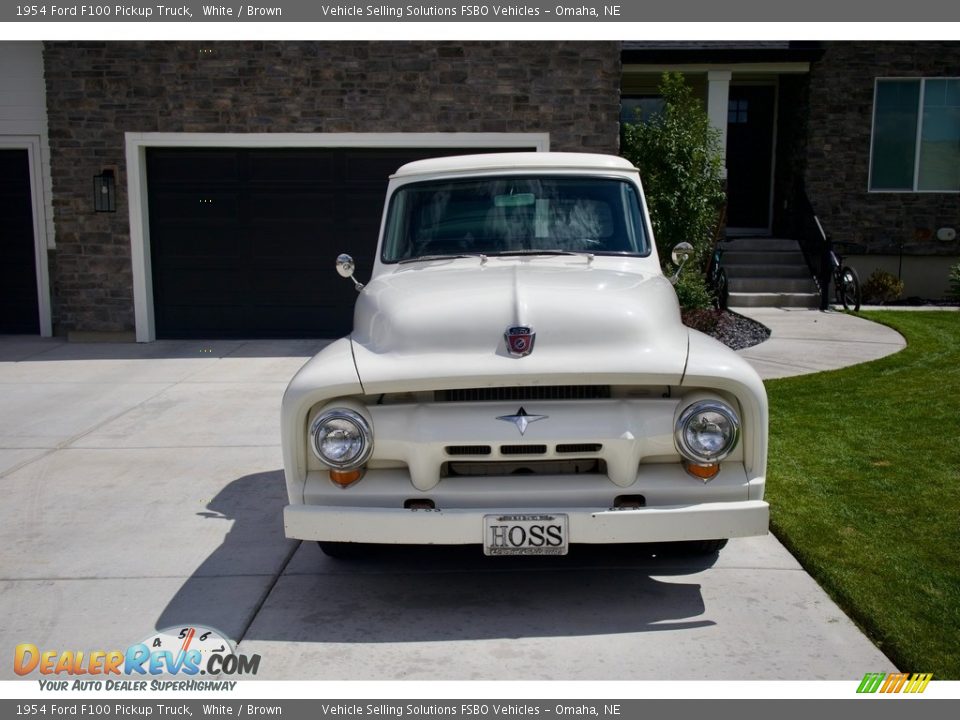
{"type": "Point", "coordinates": [841, 87]}
{"type": "Point", "coordinates": [23, 107]}
{"type": "Point", "coordinates": [98, 91]}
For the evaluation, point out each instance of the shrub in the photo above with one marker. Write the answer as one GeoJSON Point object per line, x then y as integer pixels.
{"type": "Point", "coordinates": [692, 290]}
{"type": "Point", "coordinates": [954, 278]}
{"type": "Point", "coordinates": [882, 287]}
{"type": "Point", "coordinates": [681, 164]}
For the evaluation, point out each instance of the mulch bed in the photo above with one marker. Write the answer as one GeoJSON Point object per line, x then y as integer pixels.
{"type": "Point", "coordinates": [730, 328]}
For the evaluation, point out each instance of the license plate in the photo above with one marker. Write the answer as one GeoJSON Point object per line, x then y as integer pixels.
{"type": "Point", "coordinates": [535, 534]}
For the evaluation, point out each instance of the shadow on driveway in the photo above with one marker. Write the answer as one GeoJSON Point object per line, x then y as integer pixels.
{"type": "Point", "coordinates": [422, 594]}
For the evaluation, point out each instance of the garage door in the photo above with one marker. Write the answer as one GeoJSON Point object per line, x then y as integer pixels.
{"type": "Point", "coordinates": [243, 241]}
{"type": "Point", "coordinates": [19, 311]}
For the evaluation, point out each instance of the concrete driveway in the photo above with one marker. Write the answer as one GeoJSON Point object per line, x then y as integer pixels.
{"type": "Point", "coordinates": [142, 488]}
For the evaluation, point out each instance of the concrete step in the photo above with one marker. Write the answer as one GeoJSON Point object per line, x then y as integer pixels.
{"type": "Point", "coordinates": [771, 284]}
{"type": "Point", "coordinates": [765, 271]}
{"type": "Point", "coordinates": [774, 299]}
{"type": "Point", "coordinates": [751, 257]}
{"type": "Point", "coordinates": [760, 244]}
{"type": "Point", "coordinates": [768, 272]}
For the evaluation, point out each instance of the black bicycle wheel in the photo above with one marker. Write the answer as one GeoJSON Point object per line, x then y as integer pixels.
{"type": "Point", "coordinates": [849, 288]}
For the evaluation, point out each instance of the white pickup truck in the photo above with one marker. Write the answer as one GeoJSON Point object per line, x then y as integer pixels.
{"type": "Point", "coordinates": [518, 377]}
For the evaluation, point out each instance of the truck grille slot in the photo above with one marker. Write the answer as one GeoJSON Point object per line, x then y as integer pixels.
{"type": "Point", "coordinates": [552, 392]}
{"type": "Point", "coordinates": [593, 466]}
{"type": "Point", "coordinates": [573, 448]}
{"type": "Point", "coordinates": [467, 449]}
{"type": "Point", "coordinates": [523, 449]}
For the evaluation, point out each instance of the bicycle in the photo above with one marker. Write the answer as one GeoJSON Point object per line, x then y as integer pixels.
{"type": "Point", "coordinates": [717, 278]}
{"type": "Point", "coordinates": [846, 283]}
{"type": "Point", "coordinates": [716, 275]}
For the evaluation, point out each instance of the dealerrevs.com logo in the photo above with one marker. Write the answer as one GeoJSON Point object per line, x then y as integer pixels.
{"type": "Point", "coordinates": [187, 651]}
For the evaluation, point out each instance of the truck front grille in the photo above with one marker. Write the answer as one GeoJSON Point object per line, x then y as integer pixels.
{"type": "Point", "coordinates": [593, 466]}
{"type": "Point", "coordinates": [561, 449]}
{"type": "Point", "coordinates": [523, 449]}
{"type": "Point", "coordinates": [467, 449]}
{"type": "Point", "coordinates": [578, 448]}
{"type": "Point", "coordinates": [552, 392]}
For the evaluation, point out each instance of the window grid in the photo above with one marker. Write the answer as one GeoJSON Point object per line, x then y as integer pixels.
{"type": "Point", "coordinates": [916, 148]}
{"type": "Point", "coordinates": [737, 111]}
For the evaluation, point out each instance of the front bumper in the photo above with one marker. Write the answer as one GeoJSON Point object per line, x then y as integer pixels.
{"type": "Point", "coordinates": [703, 521]}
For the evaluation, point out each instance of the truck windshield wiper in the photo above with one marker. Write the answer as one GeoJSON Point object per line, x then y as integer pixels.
{"type": "Point", "coordinates": [426, 258]}
{"type": "Point", "coordinates": [508, 253]}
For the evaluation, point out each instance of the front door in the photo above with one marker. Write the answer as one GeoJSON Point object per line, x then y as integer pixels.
{"type": "Point", "coordinates": [750, 119]}
{"type": "Point", "coordinates": [19, 305]}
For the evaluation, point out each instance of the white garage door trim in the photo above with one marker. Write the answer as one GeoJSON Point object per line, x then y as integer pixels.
{"type": "Point", "coordinates": [137, 144]}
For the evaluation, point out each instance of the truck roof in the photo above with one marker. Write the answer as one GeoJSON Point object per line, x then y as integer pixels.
{"type": "Point", "coordinates": [515, 161]}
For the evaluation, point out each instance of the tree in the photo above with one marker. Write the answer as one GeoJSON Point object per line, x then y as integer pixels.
{"type": "Point", "coordinates": [681, 165]}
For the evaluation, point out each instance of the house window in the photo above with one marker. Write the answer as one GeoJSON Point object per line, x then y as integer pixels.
{"type": "Point", "coordinates": [916, 135]}
{"type": "Point", "coordinates": [640, 108]}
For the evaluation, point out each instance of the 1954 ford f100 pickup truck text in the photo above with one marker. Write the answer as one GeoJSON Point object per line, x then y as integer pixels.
{"type": "Point", "coordinates": [518, 377]}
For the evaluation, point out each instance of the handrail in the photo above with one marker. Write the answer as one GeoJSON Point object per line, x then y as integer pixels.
{"type": "Point", "coordinates": [816, 245]}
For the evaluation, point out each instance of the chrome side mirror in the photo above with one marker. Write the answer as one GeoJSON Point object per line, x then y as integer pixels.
{"type": "Point", "coordinates": [346, 267]}
{"type": "Point", "coordinates": [682, 252]}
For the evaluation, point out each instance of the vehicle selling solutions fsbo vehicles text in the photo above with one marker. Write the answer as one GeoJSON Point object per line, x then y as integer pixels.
{"type": "Point", "coordinates": [400, 11]}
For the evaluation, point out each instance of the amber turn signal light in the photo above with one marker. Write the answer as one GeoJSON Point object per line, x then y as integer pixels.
{"type": "Point", "coordinates": [704, 472]}
{"type": "Point", "coordinates": [343, 478]}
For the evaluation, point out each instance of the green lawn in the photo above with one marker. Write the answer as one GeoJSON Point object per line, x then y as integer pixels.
{"type": "Point", "coordinates": [864, 489]}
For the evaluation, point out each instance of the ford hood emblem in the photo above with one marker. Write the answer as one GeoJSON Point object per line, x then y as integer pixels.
{"type": "Point", "coordinates": [519, 340]}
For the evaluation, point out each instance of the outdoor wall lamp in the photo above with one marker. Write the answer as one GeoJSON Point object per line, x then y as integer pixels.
{"type": "Point", "coordinates": [105, 191]}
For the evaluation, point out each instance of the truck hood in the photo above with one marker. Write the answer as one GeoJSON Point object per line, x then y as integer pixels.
{"type": "Point", "coordinates": [445, 321]}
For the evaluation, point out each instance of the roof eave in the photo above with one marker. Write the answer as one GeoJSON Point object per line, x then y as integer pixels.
{"type": "Point", "coordinates": [686, 54]}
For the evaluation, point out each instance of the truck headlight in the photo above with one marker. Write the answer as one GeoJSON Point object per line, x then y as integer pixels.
{"type": "Point", "coordinates": [707, 431]}
{"type": "Point", "coordinates": [341, 439]}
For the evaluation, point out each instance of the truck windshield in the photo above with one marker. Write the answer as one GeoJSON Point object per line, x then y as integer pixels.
{"type": "Point", "coordinates": [507, 215]}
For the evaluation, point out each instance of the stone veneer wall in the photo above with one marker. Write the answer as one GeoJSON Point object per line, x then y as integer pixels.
{"type": "Point", "coordinates": [98, 91]}
{"type": "Point", "coordinates": [838, 149]}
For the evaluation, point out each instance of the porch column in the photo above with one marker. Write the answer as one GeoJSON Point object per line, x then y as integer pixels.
{"type": "Point", "coordinates": [718, 98]}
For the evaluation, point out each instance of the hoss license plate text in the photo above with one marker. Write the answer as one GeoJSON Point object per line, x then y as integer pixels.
{"type": "Point", "coordinates": [525, 534]}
